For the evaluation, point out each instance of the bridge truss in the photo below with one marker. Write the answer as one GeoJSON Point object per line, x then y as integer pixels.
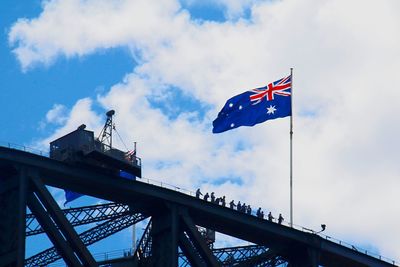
{"type": "Point", "coordinates": [171, 238]}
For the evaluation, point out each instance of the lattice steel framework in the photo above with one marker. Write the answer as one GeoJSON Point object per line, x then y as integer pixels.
{"type": "Point", "coordinates": [143, 249]}
{"type": "Point", "coordinates": [253, 255]}
{"type": "Point", "coordinates": [81, 215]}
{"type": "Point", "coordinates": [88, 237]}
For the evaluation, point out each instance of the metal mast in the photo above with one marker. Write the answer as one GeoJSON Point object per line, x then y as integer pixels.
{"type": "Point", "coordinates": [105, 136]}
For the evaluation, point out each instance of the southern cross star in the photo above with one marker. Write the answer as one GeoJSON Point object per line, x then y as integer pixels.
{"type": "Point", "coordinates": [271, 109]}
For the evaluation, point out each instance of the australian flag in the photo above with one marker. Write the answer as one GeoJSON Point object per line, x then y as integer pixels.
{"type": "Point", "coordinates": [256, 106]}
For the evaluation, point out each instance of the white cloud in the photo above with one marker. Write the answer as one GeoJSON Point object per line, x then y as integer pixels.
{"type": "Point", "coordinates": [76, 27]}
{"type": "Point", "coordinates": [345, 60]}
{"type": "Point", "coordinates": [56, 114]}
{"type": "Point", "coordinates": [80, 113]}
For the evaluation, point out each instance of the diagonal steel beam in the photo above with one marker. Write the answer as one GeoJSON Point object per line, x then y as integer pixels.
{"type": "Point", "coordinates": [143, 250]}
{"type": "Point", "coordinates": [190, 252]}
{"type": "Point", "coordinates": [88, 237]}
{"type": "Point", "coordinates": [81, 216]}
{"type": "Point", "coordinates": [239, 254]}
{"type": "Point", "coordinates": [64, 226]}
{"type": "Point", "coordinates": [60, 244]}
{"type": "Point", "coordinates": [199, 242]}
{"type": "Point", "coordinates": [267, 258]}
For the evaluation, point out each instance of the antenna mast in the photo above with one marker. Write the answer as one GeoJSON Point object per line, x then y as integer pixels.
{"type": "Point", "coordinates": [105, 136]}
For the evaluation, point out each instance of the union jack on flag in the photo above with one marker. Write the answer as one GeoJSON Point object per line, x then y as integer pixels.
{"type": "Point", "coordinates": [130, 154]}
{"type": "Point", "coordinates": [255, 106]}
{"type": "Point", "coordinates": [281, 87]}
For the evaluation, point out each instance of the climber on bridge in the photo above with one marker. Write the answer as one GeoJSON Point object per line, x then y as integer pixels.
{"type": "Point", "coordinates": [239, 206]}
{"type": "Point", "coordinates": [243, 209]}
{"type": "Point", "coordinates": [223, 201]}
{"type": "Point", "coordinates": [206, 196]}
{"type": "Point", "coordinates": [212, 197]}
{"type": "Point", "coordinates": [232, 204]}
{"type": "Point", "coordinates": [248, 210]}
{"type": "Point", "coordinates": [270, 217]}
{"type": "Point", "coordinates": [258, 213]}
{"type": "Point", "coordinates": [280, 219]}
{"type": "Point", "coordinates": [198, 193]}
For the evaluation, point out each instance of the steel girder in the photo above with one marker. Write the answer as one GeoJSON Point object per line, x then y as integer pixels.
{"type": "Point", "coordinates": [198, 243]}
{"type": "Point", "coordinates": [60, 222]}
{"type": "Point", "coordinates": [81, 215]}
{"type": "Point", "coordinates": [165, 234]}
{"type": "Point", "coordinates": [242, 256]}
{"type": "Point", "coordinates": [60, 244]}
{"type": "Point", "coordinates": [88, 237]}
{"type": "Point", "coordinates": [13, 198]}
{"type": "Point", "coordinates": [143, 249]}
{"type": "Point", "coordinates": [253, 255]}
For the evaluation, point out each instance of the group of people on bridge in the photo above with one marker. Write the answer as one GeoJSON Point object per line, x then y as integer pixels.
{"type": "Point", "coordinates": [241, 207]}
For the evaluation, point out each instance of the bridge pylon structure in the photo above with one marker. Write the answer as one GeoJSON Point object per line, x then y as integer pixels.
{"type": "Point", "coordinates": [172, 237]}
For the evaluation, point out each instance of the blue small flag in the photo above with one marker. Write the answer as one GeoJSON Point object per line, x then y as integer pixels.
{"type": "Point", "coordinates": [256, 106]}
{"type": "Point", "coordinates": [127, 175]}
{"type": "Point", "coordinates": [70, 196]}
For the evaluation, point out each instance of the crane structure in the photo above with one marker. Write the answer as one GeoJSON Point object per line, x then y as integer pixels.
{"type": "Point", "coordinates": [174, 235]}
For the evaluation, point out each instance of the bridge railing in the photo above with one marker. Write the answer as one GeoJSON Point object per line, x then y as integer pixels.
{"type": "Point", "coordinates": [101, 256]}
{"type": "Point", "coordinates": [166, 185]}
{"type": "Point", "coordinates": [24, 148]}
{"type": "Point", "coordinates": [342, 243]}
{"type": "Point", "coordinates": [359, 249]}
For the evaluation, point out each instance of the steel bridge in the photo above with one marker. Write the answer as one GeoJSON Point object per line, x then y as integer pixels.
{"type": "Point", "coordinates": [171, 237]}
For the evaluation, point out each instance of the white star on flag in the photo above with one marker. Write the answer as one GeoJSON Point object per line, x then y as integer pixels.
{"type": "Point", "coordinates": [271, 109]}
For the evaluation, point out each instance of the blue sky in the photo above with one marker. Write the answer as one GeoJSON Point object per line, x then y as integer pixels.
{"type": "Point", "coordinates": [168, 67]}
{"type": "Point", "coordinates": [63, 81]}
{"type": "Point", "coordinates": [35, 91]}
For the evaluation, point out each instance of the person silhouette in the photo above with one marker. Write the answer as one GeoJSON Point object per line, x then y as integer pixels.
{"type": "Point", "coordinates": [239, 206]}
{"type": "Point", "coordinates": [212, 197]}
{"type": "Point", "coordinates": [280, 219]}
{"type": "Point", "coordinates": [198, 193]}
{"type": "Point", "coordinates": [223, 201]}
{"type": "Point", "coordinates": [270, 217]}
{"type": "Point", "coordinates": [232, 204]}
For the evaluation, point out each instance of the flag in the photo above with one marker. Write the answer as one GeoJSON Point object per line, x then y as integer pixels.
{"type": "Point", "coordinates": [127, 175]}
{"type": "Point", "coordinates": [70, 196]}
{"type": "Point", "coordinates": [256, 106]}
{"type": "Point", "coordinates": [130, 155]}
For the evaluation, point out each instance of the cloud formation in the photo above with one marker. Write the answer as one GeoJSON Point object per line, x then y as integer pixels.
{"type": "Point", "coordinates": [345, 100]}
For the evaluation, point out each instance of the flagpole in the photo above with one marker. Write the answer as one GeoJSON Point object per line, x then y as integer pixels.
{"type": "Point", "coordinates": [291, 150]}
